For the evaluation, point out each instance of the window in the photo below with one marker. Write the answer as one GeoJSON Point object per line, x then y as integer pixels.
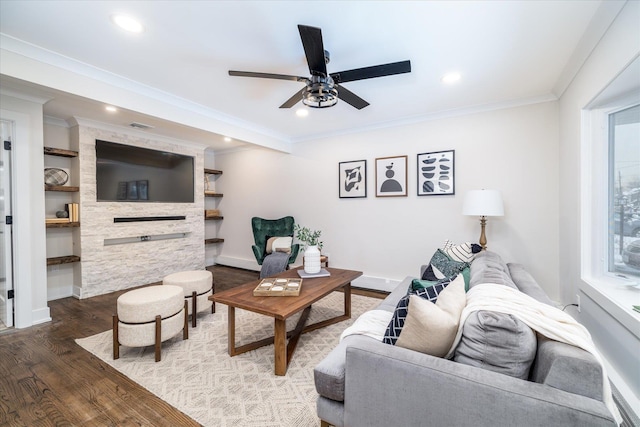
{"type": "Point", "coordinates": [624, 192]}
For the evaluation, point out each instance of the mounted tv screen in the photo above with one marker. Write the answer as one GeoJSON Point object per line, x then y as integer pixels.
{"type": "Point", "coordinates": [125, 173]}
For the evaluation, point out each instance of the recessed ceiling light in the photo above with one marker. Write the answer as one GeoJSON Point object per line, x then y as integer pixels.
{"type": "Point", "coordinates": [227, 139]}
{"type": "Point", "coordinates": [302, 112]}
{"type": "Point", "coordinates": [111, 108]}
{"type": "Point", "coordinates": [450, 78]}
{"type": "Point", "coordinates": [127, 23]}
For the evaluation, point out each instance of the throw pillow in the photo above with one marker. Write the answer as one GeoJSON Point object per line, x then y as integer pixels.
{"type": "Point", "coordinates": [431, 328]}
{"type": "Point", "coordinates": [278, 244]}
{"type": "Point", "coordinates": [498, 342]}
{"type": "Point", "coordinates": [400, 314]}
{"type": "Point", "coordinates": [417, 284]}
{"type": "Point", "coordinates": [441, 266]}
{"type": "Point", "coordinates": [461, 252]}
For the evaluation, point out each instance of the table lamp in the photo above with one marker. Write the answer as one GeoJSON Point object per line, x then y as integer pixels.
{"type": "Point", "coordinates": [483, 203]}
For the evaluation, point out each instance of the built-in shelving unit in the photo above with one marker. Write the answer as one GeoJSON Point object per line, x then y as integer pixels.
{"type": "Point", "coordinates": [208, 193]}
{"type": "Point", "coordinates": [50, 151]}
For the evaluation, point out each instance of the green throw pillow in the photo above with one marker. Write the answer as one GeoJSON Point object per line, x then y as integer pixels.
{"type": "Point", "coordinates": [417, 284]}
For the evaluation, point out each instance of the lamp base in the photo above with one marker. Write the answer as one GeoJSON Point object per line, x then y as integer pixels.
{"type": "Point", "coordinates": [483, 237]}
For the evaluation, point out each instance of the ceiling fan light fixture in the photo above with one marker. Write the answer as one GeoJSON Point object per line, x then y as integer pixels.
{"type": "Point", "coordinates": [320, 93]}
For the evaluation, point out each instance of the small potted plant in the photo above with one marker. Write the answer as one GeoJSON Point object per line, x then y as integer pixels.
{"type": "Point", "coordinates": [312, 246]}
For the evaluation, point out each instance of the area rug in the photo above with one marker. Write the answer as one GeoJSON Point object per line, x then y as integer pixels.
{"type": "Point", "coordinates": [198, 377]}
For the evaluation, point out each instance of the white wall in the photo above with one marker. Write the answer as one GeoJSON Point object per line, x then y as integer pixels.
{"type": "Point", "coordinates": [619, 46]}
{"type": "Point", "coordinates": [514, 150]}
{"type": "Point", "coordinates": [29, 269]}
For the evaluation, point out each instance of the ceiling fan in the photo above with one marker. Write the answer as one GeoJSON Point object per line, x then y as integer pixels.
{"type": "Point", "coordinates": [323, 89]}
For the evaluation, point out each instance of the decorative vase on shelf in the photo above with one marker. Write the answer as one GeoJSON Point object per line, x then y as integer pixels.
{"type": "Point", "coordinates": [312, 260]}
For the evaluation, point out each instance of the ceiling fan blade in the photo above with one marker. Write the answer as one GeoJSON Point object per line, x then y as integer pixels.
{"type": "Point", "coordinates": [351, 98]}
{"type": "Point", "coordinates": [371, 72]}
{"type": "Point", "coordinates": [297, 97]}
{"type": "Point", "coordinates": [268, 76]}
{"type": "Point", "coordinates": [313, 49]}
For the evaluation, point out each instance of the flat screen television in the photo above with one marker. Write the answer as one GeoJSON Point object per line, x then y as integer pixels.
{"type": "Point", "coordinates": [125, 173]}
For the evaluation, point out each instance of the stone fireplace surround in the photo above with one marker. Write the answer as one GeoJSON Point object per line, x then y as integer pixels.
{"type": "Point", "coordinates": [159, 247]}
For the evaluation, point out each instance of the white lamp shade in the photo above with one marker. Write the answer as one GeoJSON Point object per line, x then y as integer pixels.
{"type": "Point", "coordinates": [483, 203]}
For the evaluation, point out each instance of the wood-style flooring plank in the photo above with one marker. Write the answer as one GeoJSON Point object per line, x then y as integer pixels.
{"type": "Point", "coordinates": [46, 379]}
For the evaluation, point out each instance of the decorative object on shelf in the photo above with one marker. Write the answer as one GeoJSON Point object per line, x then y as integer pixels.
{"type": "Point", "coordinates": [352, 179]}
{"type": "Point", "coordinates": [56, 176]}
{"type": "Point", "coordinates": [391, 176]}
{"type": "Point", "coordinates": [436, 173]}
{"type": "Point", "coordinates": [211, 213]}
{"type": "Point", "coordinates": [143, 189]}
{"type": "Point", "coordinates": [73, 211]}
{"type": "Point", "coordinates": [62, 214]}
{"type": "Point", "coordinates": [313, 245]}
{"type": "Point", "coordinates": [483, 203]}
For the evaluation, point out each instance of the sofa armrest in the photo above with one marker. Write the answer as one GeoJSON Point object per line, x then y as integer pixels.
{"type": "Point", "coordinates": [388, 385]}
{"type": "Point", "coordinates": [567, 368]}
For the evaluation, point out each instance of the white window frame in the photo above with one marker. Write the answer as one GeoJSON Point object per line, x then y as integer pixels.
{"type": "Point", "coordinates": [611, 291]}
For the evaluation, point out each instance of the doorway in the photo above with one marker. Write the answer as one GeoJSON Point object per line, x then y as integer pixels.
{"type": "Point", "coordinates": [6, 239]}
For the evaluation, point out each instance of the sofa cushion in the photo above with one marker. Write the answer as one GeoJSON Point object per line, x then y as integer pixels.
{"type": "Point", "coordinates": [488, 267]}
{"type": "Point", "coordinates": [400, 314]}
{"type": "Point", "coordinates": [431, 328]}
{"type": "Point", "coordinates": [497, 342]}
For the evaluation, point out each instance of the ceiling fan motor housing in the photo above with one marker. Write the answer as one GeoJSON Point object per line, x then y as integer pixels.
{"type": "Point", "coordinates": [320, 92]}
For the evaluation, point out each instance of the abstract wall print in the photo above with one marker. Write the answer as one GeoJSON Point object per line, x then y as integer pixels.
{"type": "Point", "coordinates": [436, 173]}
{"type": "Point", "coordinates": [391, 176]}
{"type": "Point", "coordinates": [352, 179]}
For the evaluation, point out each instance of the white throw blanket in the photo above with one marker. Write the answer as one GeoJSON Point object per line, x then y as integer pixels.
{"type": "Point", "coordinates": [542, 318]}
{"type": "Point", "coordinates": [372, 323]}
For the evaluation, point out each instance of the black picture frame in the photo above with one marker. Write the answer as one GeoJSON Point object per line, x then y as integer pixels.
{"type": "Point", "coordinates": [436, 173]}
{"type": "Point", "coordinates": [352, 179]}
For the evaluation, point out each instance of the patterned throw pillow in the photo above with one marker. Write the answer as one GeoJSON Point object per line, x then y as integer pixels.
{"type": "Point", "coordinates": [400, 314]}
{"type": "Point", "coordinates": [441, 266]}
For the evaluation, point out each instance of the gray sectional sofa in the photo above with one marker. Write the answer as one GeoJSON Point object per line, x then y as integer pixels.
{"type": "Point", "coordinates": [502, 374]}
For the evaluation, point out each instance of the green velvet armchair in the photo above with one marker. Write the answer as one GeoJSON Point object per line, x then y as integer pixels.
{"type": "Point", "coordinates": [265, 228]}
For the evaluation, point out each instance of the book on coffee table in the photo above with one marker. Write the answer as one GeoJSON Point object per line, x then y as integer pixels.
{"type": "Point", "coordinates": [321, 273]}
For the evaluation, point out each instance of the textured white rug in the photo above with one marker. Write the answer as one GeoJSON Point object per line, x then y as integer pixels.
{"type": "Point", "coordinates": [198, 377]}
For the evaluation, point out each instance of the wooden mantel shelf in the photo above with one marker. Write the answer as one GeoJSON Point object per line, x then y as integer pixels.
{"type": "Point", "coordinates": [63, 260]}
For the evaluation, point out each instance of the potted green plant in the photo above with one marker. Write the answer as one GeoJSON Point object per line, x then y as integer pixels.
{"type": "Point", "coordinates": [312, 246]}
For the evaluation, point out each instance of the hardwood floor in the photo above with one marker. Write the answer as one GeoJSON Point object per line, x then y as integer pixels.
{"type": "Point", "coordinates": [46, 379]}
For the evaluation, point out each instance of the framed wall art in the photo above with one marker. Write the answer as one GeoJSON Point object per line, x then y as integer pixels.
{"type": "Point", "coordinates": [391, 176]}
{"type": "Point", "coordinates": [352, 179]}
{"type": "Point", "coordinates": [436, 173]}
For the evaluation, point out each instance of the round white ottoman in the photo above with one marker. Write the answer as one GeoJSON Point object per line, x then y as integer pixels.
{"type": "Point", "coordinates": [149, 316]}
{"type": "Point", "coordinates": [197, 286]}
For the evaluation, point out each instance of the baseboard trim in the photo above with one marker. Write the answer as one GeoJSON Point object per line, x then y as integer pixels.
{"type": "Point", "coordinates": [42, 315]}
{"type": "Point", "coordinates": [237, 262]}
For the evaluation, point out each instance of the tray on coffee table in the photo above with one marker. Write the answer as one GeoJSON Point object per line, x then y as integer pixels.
{"type": "Point", "coordinates": [278, 287]}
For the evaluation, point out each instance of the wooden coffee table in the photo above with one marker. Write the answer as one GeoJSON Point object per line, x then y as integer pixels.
{"type": "Point", "coordinates": [281, 308]}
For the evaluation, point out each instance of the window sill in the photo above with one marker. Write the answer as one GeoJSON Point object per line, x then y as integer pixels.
{"type": "Point", "coordinates": [616, 297]}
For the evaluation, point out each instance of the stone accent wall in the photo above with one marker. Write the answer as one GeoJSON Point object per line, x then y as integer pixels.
{"type": "Point", "coordinates": [106, 269]}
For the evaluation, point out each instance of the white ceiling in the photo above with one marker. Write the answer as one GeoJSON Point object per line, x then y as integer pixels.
{"type": "Point", "coordinates": [508, 53]}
